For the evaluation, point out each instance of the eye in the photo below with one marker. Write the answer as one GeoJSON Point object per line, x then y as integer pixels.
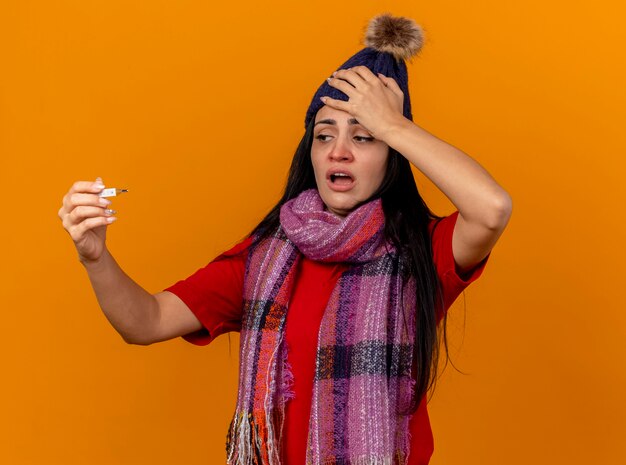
{"type": "Point", "coordinates": [322, 137]}
{"type": "Point", "coordinates": [363, 138]}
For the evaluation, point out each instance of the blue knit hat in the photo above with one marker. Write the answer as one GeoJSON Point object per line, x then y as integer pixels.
{"type": "Point", "coordinates": [389, 41]}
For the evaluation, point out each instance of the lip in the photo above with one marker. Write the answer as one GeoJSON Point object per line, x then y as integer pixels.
{"type": "Point", "coordinates": [337, 188]}
{"type": "Point", "coordinates": [339, 170]}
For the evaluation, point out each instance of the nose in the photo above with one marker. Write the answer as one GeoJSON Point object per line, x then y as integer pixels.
{"type": "Point", "coordinates": [341, 151]}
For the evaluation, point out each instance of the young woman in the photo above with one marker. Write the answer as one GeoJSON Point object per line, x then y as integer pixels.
{"type": "Point", "coordinates": [339, 291]}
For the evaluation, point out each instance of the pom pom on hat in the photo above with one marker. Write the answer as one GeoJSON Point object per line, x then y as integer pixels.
{"type": "Point", "coordinates": [389, 41]}
{"type": "Point", "coordinates": [401, 37]}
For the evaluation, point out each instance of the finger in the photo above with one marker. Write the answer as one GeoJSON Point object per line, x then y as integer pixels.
{"type": "Point", "coordinates": [337, 104]}
{"type": "Point", "coordinates": [82, 212]}
{"type": "Point", "coordinates": [350, 76]}
{"type": "Point", "coordinates": [391, 84]}
{"type": "Point", "coordinates": [81, 187]}
{"type": "Point", "coordinates": [72, 200]}
{"type": "Point", "coordinates": [342, 85]}
{"type": "Point", "coordinates": [87, 186]}
{"type": "Point", "coordinates": [78, 231]}
{"type": "Point", "coordinates": [364, 73]}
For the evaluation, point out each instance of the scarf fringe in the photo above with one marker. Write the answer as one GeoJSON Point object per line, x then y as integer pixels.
{"type": "Point", "coordinates": [287, 381]}
{"type": "Point", "coordinates": [250, 439]}
{"type": "Point", "coordinates": [398, 459]}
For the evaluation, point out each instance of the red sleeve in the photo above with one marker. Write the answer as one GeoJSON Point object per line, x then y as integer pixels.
{"type": "Point", "coordinates": [214, 294]}
{"type": "Point", "coordinates": [452, 282]}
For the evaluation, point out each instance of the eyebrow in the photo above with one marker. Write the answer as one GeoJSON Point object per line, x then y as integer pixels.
{"type": "Point", "coordinates": [333, 122]}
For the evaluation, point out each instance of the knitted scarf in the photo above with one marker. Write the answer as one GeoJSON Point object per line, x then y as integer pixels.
{"type": "Point", "coordinates": [363, 384]}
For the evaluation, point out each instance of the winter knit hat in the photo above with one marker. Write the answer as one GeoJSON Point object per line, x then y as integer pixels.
{"type": "Point", "coordinates": [389, 41]}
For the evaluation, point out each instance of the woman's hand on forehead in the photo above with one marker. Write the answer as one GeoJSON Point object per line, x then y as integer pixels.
{"type": "Point", "coordinates": [375, 101]}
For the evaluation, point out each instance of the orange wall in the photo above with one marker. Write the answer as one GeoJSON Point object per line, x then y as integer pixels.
{"type": "Point", "coordinates": [197, 110]}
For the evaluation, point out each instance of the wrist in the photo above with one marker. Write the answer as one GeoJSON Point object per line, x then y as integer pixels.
{"type": "Point", "coordinates": [395, 127]}
{"type": "Point", "coordinates": [94, 265]}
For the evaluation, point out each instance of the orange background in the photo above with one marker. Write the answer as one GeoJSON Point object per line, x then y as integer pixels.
{"type": "Point", "coordinates": [197, 109]}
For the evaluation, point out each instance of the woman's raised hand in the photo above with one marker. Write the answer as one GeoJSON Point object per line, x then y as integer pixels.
{"type": "Point", "coordinates": [375, 101]}
{"type": "Point", "coordinates": [85, 217]}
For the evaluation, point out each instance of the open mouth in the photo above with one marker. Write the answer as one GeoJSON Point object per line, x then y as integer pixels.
{"type": "Point", "coordinates": [341, 179]}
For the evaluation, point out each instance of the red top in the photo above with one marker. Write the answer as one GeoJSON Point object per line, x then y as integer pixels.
{"type": "Point", "coordinates": [214, 294]}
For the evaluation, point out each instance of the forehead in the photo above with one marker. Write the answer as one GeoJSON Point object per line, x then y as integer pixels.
{"type": "Point", "coordinates": [339, 116]}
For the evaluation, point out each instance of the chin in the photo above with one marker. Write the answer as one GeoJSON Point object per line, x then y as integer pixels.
{"type": "Point", "coordinates": [339, 205]}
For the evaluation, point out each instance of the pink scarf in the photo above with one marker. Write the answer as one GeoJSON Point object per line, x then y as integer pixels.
{"type": "Point", "coordinates": [365, 343]}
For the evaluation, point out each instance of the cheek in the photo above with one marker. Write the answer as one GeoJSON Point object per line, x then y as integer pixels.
{"type": "Point", "coordinates": [315, 162]}
{"type": "Point", "coordinates": [378, 171]}
{"type": "Point", "coordinates": [317, 168]}
{"type": "Point", "coordinates": [376, 183]}
{"type": "Point", "coordinates": [316, 158]}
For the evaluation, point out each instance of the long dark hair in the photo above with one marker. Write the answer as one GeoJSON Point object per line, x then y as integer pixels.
{"type": "Point", "coordinates": [406, 225]}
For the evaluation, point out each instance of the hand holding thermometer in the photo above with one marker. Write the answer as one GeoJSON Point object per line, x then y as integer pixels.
{"type": "Point", "coordinates": [111, 192]}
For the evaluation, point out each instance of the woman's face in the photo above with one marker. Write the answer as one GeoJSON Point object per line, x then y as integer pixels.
{"type": "Point", "coordinates": [349, 164]}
